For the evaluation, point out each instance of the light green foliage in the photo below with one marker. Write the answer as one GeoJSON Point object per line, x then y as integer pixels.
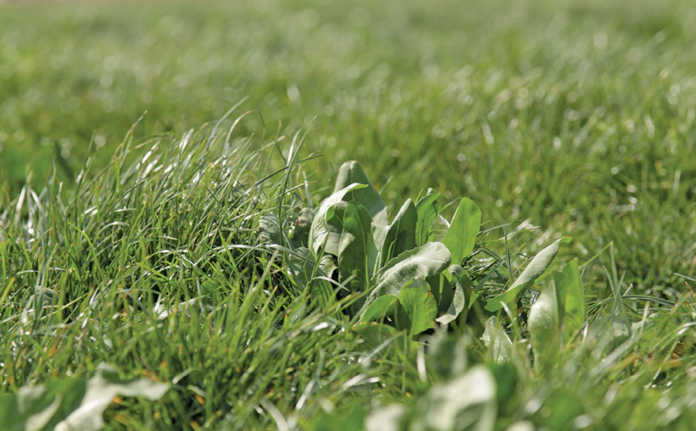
{"type": "Point", "coordinates": [356, 252]}
{"type": "Point", "coordinates": [556, 315]}
{"type": "Point", "coordinates": [326, 226]}
{"type": "Point", "coordinates": [428, 210]}
{"type": "Point", "coordinates": [352, 173]}
{"type": "Point", "coordinates": [544, 326]}
{"type": "Point", "coordinates": [572, 296]}
{"type": "Point", "coordinates": [459, 299]}
{"type": "Point", "coordinates": [464, 227]}
{"type": "Point", "coordinates": [372, 255]}
{"type": "Point", "coordinates": [419, 263]}
{"type": "Point", "coordinates": [156, 266]}
{"type": "Point", "coordinates": [400, 234]}
{"type": "Point", "coordinates": [419, 307]}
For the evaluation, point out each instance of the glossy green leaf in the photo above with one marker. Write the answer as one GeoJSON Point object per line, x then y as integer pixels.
{"type": "Point", "coordinates": [379, 308]}
{"type": "Point", "coordinates": [457, 305]}
{"type": "Point", "coordinates": [534, 270]}
{"type": "Point", "coordinates": [507, 381]}
{"type": "Point", "coordinates": [464, 227]}
{"type": "Point", "coordinates": [497, 341]}
{"type": "Point", "coordinates": [356, 251]}
{"type": "Point", "coordinates": [350, 173]}
{"type": "Point", "coordinates": [416, 264]}
{"type": "Point", "coordinates": [419, 305]}
{"type": "Point", "coordinates": [43, 406]}
{"type": "Point", "coordinates": [427, 210]}
{"type": "Point", "coordinates": [571, 297]}
{"type": "Point", "coordinates": [401, 233]}
{"type": "Point", "coordinates": [544, 327]}
{"type": "Point", "coordinates": [326, 229]}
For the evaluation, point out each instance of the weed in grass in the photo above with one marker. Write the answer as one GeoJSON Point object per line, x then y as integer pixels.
{"type": "Point", "coordinates": [157, 266]}
{"type": "Point", "coordinates": [576, 116]}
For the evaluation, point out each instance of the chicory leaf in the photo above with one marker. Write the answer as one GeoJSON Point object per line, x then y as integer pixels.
{"type": "Point", "coordinates": [350, 173]}
{"type": "Point", "coordinates": [416, 264]}
{"type": "Point", "coordinates": [401, 233]}
{"type": "Point", "coordinates": [356, 251]}
{"type": "Point", "coordinates": [461, 235]}
{"type": "Point", "coordinates": [535, 269]}
{"type": "Point", "coordinates": [571, 298]}
{"type": "Point", "coordinates": [544, 327]}
{"type": "Point", "coordinates": [427, 210]}
{"type": "Point", "coordinates": [419, 305]}
{"type": "Point", "coordinates": [324, 233]}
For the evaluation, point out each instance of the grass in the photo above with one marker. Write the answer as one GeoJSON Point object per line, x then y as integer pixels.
{"type": "Point", "coordinates": [158, 268]}
{"type": "Point", "coordinates": [576, 117]}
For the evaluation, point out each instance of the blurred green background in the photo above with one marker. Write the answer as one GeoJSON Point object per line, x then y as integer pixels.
{"type": "Point", "coordinates": [574, 116]}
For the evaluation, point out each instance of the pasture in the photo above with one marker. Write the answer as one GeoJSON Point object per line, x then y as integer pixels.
{"type": "Point", "coordinates": [164, 169]}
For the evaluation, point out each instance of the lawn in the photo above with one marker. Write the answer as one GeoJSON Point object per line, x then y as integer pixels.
{"type": "Point", "coordinates": [143, 227]}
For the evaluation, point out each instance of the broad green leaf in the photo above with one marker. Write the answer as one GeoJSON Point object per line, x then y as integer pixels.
{"type": "Point", "coordinates": [323, 233]}
{"type": "Point", "coordinates": [457, 305]}
{"type": "Point", "coordinates": [427, 210]}
{"type": "Point", "coordinates": [544, 328]}
{"type": "Point", "coordinates": [461, 235]}
{"type": "Point", "coordinates": [535, 269]}
{"type": "Point", "coordinates": [379, 308]}
{"type": "Point", "coordinates": [416, 264]}
{"type": "Point", "coordinates": [466, 402]}
{"type": "Point", "coordinates": [356, 252]}
{"type": "Point", "coordinates": [497, 341]}
{"type": "Point", "coordinates": [350, 173]}
{"type": "Point", "coordinates": [401, 233]}
{"type": "Point", "coordinates": [419, 305]}
{"type": "Point", "coordinates": [571, 298]}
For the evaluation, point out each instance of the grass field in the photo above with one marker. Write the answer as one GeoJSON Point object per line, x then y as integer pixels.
{"type": "Point", "coordinates": [557, 118]}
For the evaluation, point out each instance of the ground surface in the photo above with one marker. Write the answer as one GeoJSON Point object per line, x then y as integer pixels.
{"type": "Point", "coordinates": [577, 117]}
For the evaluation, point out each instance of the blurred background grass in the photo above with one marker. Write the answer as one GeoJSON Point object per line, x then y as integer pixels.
{"type": "Point", "coordinates": [576, 116]}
